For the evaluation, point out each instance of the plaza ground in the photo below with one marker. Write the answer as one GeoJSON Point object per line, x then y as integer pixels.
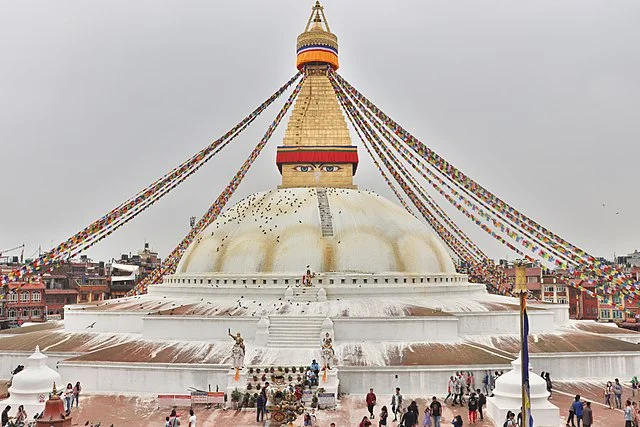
{"type": "Point", "coordinates": [144, 411]}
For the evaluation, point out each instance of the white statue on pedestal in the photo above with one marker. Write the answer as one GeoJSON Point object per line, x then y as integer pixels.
{"type": "Point", "coordinates": [238, 350]}
{"type": "Point", "coordinates": [328, 352]}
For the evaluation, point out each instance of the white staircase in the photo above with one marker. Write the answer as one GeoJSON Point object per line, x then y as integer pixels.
{"type": "Point", "coordinates": [295, 331]}
{"type": "Point", "coordinates": [305, 294]}
{"type": "Point", "coordinates": [326, 221]}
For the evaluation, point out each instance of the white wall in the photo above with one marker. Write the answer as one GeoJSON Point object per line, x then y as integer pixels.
{"type": "Point", "coordinates": [587, 366]}
{"type": "Point", "coordinates": [507, 322]}
{"type": "Point", "coordinates": [198, 328]}
{"type": "Point", "coordinates": [412, 328]}
{"type": "Point", "coordinates": [152, 378]}
{"type": "Point", "coordinates": [419, 381]}
{"type": "Point", "coordinates": [105, 321]}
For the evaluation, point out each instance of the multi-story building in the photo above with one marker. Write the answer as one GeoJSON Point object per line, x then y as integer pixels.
{"type": "Point", "coordinates": [75, 281]}
{"type": "Point", "coordinates": [554, 289]}
{"type": "Point", "coordinates": [25, 301]}
{"type": "Point", "coordinates": [583, 305]}
{"type": "Point", "coordinates": [129, 270]}
{"type": "Point", "coordinates": [533, 272]}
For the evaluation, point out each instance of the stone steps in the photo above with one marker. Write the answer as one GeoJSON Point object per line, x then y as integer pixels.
{"type": "Point", "coordinates": [294, 332]}
{"type": "Point", "coordinates": [326, 223]}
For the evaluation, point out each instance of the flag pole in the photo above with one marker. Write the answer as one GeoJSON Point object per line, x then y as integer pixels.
{"type": "Point", "coordinates": [521, 290]}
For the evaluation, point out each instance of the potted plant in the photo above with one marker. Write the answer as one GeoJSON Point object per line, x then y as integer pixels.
{"type": "Point", "coordinates": [245, 400]}
{"type": "Point", "coordinates": [235, 398]}
{"type": "Point", "coordinates": [286, 370]}
{"type": "Point", "coordinates": [293, 369]}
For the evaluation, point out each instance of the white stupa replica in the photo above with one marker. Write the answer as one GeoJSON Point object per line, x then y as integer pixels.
{"type": "Point", "coordinates": [507, 397]}
{"type": "Point", "coordinates": [380, 284]}
{"type": "Point", "coordinates": [31, 386]}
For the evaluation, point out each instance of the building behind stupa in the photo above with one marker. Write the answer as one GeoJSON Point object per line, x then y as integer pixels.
{"type": "Point", "coordinates": [379, 282]}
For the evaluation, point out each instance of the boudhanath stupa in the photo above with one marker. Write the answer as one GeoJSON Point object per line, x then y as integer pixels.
{"type": "Point", "coordinates": [379, 282]}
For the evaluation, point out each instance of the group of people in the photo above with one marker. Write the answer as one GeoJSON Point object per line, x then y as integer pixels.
{"type": "Point", "coordinates": [71, 395]}
{"type": "Point", "coordinates": [173, 420]}
{"type": "Point", "coordinates": [580, 411]}
{"type": "Point", "coordinates": [409, 415]}
{"type": "Point", "coordinates": [20, 418]}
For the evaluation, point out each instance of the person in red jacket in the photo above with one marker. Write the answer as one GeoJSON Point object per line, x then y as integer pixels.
{"type": "Point", "coordinates": [371, 402]}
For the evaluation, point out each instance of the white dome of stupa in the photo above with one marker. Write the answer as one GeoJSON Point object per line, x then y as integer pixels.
{"type": "Point", "coordinates": [31, 386]}
{"type": "Point", "coordinates": [283, 231]}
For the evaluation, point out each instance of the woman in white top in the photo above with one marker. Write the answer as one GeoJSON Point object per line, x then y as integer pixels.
{"type": "Point", "coordinates": [192, 418]}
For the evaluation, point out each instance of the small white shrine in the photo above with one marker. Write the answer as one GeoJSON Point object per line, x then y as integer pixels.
{"type": "Point", "coordinates": [31, 386]}
{"type": "Point", "coordinates": [508, 397]}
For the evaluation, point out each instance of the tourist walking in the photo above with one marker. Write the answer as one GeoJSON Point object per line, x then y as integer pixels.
{"type": "Point", "coordinates": [384, 414]}
{"type": "Point", "coordinates": [571, 416]}
{"type": "Point", "coordinates": [174, 421]}
{"type": "Point", "coordinates": [587, 415]}
{"type": "Point", "coordinates": [76, 394]}
{"type": "Point", "coordinates": [457, 421]}
{"type": "Point", "coordinates": [261, 406]}
{"type": "Point", "coordinates": [636, 416]}
{"type": "Point", "coordinates": [436, 411]}
{"type": "Point", "coordinates": [510, 421]}
{"type": "Point", "coordinates": [410, 418]}
{"type": "Point", "coordinates": [608, 391]}
{"type": "Point", "coordinates": [68, 397]}
{"type": "Point", "coordinates": [427, 417]}
{"type": "Point", "coordinates": [396, 404]}
{"type": "Point", "coordinates": [450, 389]}
{"type": "Point", "coordinates": [547, 379]}
{"type": "Point", "coordinates": [578, 407]}
{"type": "Point", "coordinates": [460, 385]}
{"type": "Point", "coordinates": [472, 406]}
{"type": "Point", "coordinates": [628, 415]}
{"type": "Point", "coordinates": [617, 392]}
{"type": "Point", "coordinates": [486, 382]}
{"type": "Point", "coordinates": [308, 422]}
{"type": "Point", "coordinates": [634, 385]}
{"type": "Point", "coordinates": [371, 402]}
{"type": "Point", "coordinates": [482, 400]}
{"type": "Point", "coordinates": [365, 422]}
{"type": "Point", "coordinates": [192, 418]}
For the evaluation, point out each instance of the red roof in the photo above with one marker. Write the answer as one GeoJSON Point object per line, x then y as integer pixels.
{"type": "Point", "coordinates": [26, 285]}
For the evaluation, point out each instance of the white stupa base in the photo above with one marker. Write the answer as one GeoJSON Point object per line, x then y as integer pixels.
{"type": "Point", "coordinates": [508, 397]}
{"type": "Point", "coordinates": [544, 413]}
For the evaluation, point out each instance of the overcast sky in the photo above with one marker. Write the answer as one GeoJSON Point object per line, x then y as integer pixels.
{"type": "Point", "coordinates": [537, 101]}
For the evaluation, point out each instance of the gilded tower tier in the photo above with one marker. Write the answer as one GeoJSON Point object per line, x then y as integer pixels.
{"type": "Point", "coordinates": [317, 149]}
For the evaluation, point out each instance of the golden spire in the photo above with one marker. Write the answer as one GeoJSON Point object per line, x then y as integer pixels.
{"type": "Point", "coordinates": [317, 44]}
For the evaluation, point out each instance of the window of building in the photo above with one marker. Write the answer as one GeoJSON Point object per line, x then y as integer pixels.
{"type": "Point", "coordinates": [532, 279]}
{"type": "Point", "coordinates": [548, 288]}
{"type": "Point", "coordinates": [286, 281]}
{"type": "Point", "coordinates": [13, 297]}
{"type": "Point", "coordinates": [24, 296]}
{"type": "Point", "coordinates": [617, 299]}
{"type": "Point", "coordinates": [354, 281]}
{"type": "Point", "coordinates": [617, 314]}
{"type": "Point", "coordinates": [12, 314]}
{"type": "Point", "coordinates": [331, 281]}
{"type": "Point", "coordinates": [35, 312]}
{"type": "Point", "coordinates": [96, 297]}
{"type": "Point", "coordinates": [24, 313]}
{"type": "Point", "coordinates": [364, 281]}
{"type": "Point", "coordinates": [342, 281]}
{"type": "Point", "coordinates": [36, 296]}
{"type": "Point", "coordinates": [233, 282]}
{"type": "Point", "coordinates": [605, 314]}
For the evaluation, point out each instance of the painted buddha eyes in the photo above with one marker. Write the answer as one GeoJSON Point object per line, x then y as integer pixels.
{"type": "Point", "coordinates": [330, 168]}
{"type": "Point", "coordinates": [323, 168]}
